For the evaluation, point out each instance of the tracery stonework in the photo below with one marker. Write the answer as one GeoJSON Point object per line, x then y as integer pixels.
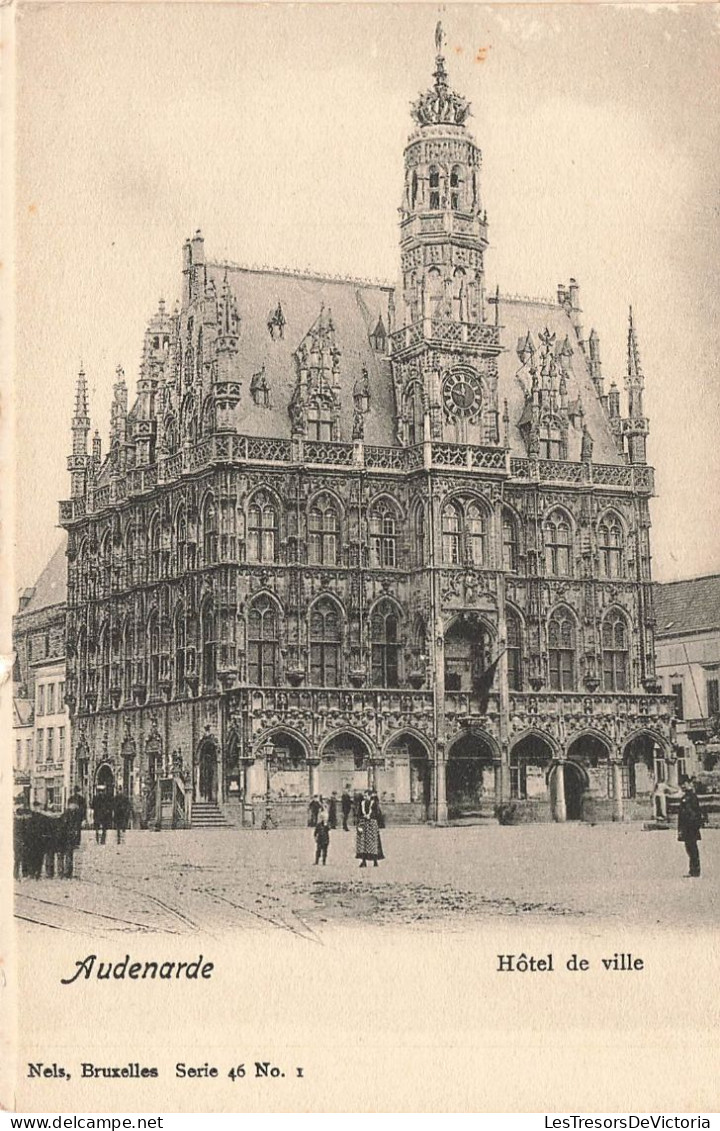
{"type": "Point", "coordinates": [351, 534]}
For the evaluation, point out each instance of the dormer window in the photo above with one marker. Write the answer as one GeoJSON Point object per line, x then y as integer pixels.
{"type": "Point", "coordinates": [378, 338]}
{"type": "Point", "coordinates": [552, 441]}
{"type": "Point", "coordinates": [319, 424]}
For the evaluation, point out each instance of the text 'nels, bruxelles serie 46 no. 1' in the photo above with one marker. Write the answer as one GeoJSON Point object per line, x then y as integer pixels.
{"type": "Point", "coordinates": [353, 535]}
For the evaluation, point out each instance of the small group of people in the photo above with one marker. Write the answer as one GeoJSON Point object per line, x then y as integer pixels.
{"type": "Point", "coordinates": [43, 839]}
{"type": "Point", "coordinates": [46, 841]}
{"type": "Point", "coordinates": [368, 820]}
{"type": "Point", "coordinates": [110, 811]}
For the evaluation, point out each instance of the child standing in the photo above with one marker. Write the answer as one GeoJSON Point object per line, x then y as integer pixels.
{"type": "Point", "coordinates": [322, 841]}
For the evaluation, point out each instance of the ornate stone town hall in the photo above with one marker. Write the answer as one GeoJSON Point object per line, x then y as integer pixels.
{"type": "Point", "coordinates": [348, 534]}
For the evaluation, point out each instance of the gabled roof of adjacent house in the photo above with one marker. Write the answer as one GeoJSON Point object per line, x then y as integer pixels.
{"type": "Point", "coordinates": [51, 586]}
{"type": "Point", "coordinates": [22, 712]}
{"type": "Point", "coordinates": [687, 606]}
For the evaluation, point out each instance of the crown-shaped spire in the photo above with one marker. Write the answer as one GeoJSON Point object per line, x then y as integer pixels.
{"type": "Point", "coordinates": [440, 105]}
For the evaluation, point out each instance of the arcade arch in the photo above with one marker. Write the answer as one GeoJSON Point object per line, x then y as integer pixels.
{"type": "Point", "coordinates": [470, 777]}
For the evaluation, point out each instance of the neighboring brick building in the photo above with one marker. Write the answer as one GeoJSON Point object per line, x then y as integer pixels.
{"type": "Point", "coordinates": [688, 664]}
{"type": "Point", "coordinates": [348, 533]}
{"type": "Point", "coordinates": [41, 724]}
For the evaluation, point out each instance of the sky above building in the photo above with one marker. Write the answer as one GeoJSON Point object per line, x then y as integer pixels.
{"type": "Point", "coordinates": [279, 131]}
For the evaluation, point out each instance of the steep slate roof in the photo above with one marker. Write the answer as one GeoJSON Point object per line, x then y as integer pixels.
{"type": "Point", "coordinates": [51, 585]}
{"type": "Point", "coordinates": [519, 317]}
{"type": "Point", "coordinates": [22, 712]}
{"type": "Point", "coordinates": [688, 606]}
{"type": "Point", "coordinates": [355, 307]}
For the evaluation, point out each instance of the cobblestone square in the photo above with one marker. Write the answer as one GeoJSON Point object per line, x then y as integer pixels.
{"type": "Point", "coordinates": [213, 881]}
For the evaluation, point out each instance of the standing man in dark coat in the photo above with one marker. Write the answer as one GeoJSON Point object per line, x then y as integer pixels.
{"type": "Point", "coordinates": [690, 821]}
{"type": "Point", "coordinates": [314, 811]}
{"type": "Point", "coordinates": [346, 804]}
{"type": "Point", "coordinates": [76, 803]}
{"type": "Point", "coordinates": [102, 808]}
{"type": "Point", "coordinates": [332, 811]}
{"type": "Point", "coordinates": [21, 838]}
{"type": "Point", "coordinates": [121, 814]}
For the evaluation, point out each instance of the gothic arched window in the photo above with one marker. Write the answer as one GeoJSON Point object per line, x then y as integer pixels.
{"type": "Point", "coordinates": [179, 643]}
{"type": "Point", "coordinates": [180, 540]}
{"type": "Point", "coordinates": [452, 533]}
{"type": "Point", "coordinates": [155, 563]}
{"type": "Point", "coordinates": [558, 545]}
{"type": "Point", "coordinates": [611, 545]}
{"type": "Point", "coordinates": [510, 542]}
{"type": "Point", "coordinates": [262, 647]}
{"type": "Point", "coordinates": [135, 555]}
{"type": "Point", "coordinates": [455, 186]}
{"type": "Point", "coordinates": [420, 535]}
{"type": "Point", "coordinates": [459, 295]}
{"type": "Point", "coordinates": [414, 414]}
{"type": "Point", "coordinates": [561, 651]}
{"type": "Point", "coordinates": [128, 659]}
{"type": "Point", "coordinates": [475, 528]}
{"type": "Point", "coordinates": [514, 650]}
{"type": "Point", "coordinates": [325, 640]}
{"type": "Point", "coordinates": [385, 630]}
{"type": "Point", "coordinates": [434, 187]}
{"type": "Point", "coordinates": [210, 531]}
{"type": "Point", "coordinates": [413, 189]}
{"type": "Point", "coordinates": [106, 556]}
{"type": "Point", "coordinates": [615, 652]}
{"type": "Point", "coordinates": [434, 284]}
{"type": "Point", "coordinates": [262, 541]}
{"type": "Point", "coordinates": [208, 644]}
{"type": "Point", "coordinates": [153, 638]}
{"type": "Point", "coordinates": [384, 535]}
{"type": "Point", "coordinates": [105, 665]}
{"type": "Point", "coordinates": [323, 530]}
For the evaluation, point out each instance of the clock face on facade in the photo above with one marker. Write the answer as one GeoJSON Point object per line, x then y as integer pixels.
{"type": "Point", "coordinates": [462, 395]}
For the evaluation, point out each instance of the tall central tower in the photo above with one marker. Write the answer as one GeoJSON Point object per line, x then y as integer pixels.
{"type": "Point", "coordinates": [443, 240]}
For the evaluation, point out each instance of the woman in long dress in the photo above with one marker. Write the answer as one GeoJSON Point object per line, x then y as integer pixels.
{"type": "Point", "coordinates": [368, 843]}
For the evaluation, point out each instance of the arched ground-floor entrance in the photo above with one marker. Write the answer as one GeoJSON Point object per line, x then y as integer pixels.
{"type": "Point", "coordinates": [590, 753]}
{"type": "Point", "coordinates": [105, 779]}
{"type": "Point", "coordinates": [345, 764]}
{"type": "Point", "coordinates": [639, 772]}
{"type": "Point", "coordinates": [404, 779]}
{"type": "Point", "coordinates": [470, 778]}
{"type": "Point", "coordinates": [207, 770]}
{"type": "Point", "coordinates": [531, 796]}
{"type": "Point", "coordinates": [568, 785]}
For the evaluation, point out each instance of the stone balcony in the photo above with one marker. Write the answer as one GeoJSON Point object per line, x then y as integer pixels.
{"type": "Point", "coordinates": [230, 449]}
{"type": "Point", "coordinates": [439, 332]}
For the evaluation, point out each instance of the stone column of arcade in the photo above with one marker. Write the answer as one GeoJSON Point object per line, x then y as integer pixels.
{"type": "Point", "coordinates": [314, 777]}
{"type": "Point", "coordinates": [559, 779]}
{"type": "Point", "coordinates": [618, 808]}
{"type": "Point", "coordinates": [441, 812]}
{"type": "Point", "coordinates": [672, 772]}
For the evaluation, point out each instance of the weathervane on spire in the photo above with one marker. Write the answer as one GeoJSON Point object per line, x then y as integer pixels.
{"type": "Point", "coordinates": [440, 105]}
